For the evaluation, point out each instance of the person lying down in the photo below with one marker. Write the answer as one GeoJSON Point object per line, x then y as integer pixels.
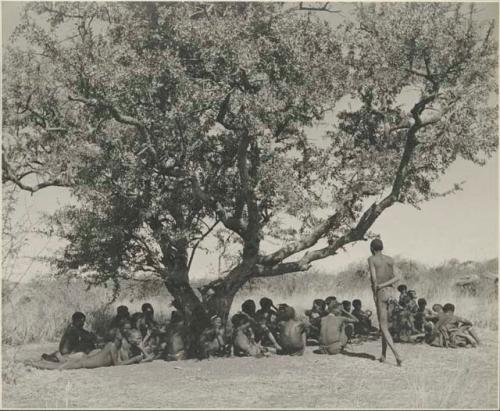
{"type": "Point", "coordinates": [125, 352]}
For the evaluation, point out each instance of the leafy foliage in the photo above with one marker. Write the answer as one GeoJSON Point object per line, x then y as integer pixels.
{"type": "Point", "coordinates": [168, 119]}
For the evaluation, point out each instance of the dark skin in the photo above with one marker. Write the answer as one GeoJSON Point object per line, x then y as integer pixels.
{"type": "Point", "coordinates": [110, 355]}
{"type": "Point", "coordinates": [382, 275]}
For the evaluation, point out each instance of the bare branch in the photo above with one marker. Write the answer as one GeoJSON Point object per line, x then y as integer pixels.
{"type": "Point", "coordinates": [8, 174]}
{"type": "Point", "coordinates": [302, 244]}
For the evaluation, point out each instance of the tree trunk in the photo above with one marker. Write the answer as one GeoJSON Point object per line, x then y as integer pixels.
{"type": "Point", "coordinates": [219, 294]}
{"type": "Point", "coordinates": [185, 300]}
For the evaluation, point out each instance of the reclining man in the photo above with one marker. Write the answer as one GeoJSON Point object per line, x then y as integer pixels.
{"type": "Point", "coordinates": [127, 352]}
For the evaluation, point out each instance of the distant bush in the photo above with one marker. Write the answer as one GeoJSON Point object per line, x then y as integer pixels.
{"type": "Point", "coordinates": [41, 309]}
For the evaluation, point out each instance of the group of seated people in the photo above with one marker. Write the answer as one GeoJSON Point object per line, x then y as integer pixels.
{"type": "Point", "coordinates": [411, 321]}
{"type": "Point", "coordinates": [329, 324]}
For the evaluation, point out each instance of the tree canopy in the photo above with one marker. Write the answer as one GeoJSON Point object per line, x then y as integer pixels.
{"type": "Point", "coordinates": [168, 119]}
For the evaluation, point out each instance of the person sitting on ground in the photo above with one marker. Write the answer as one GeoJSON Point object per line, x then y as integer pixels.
{"type": "Point", "coordinates": [412, 304]}
{"type": "Point", "coordinates": [270, 313]}
{"type": "Point", "coordinates": [249, 308]}
{"type": "Point", "coordinates": [437, 310]}
{"type": "Point", "coordinates": [75, 340]}
{"type": "Point", "coordinates": [146, 322]}
{"type": "Point", "coordinates": [122, 316]}
{"type": "Point", "coordinates": [402, 288]}
{"type": "Point", "coordinates": [314, 316]}
{"type": "Point", "coordinates": [292, 333]}
{"type": "Point", "coordinates": [405, 321]}
{"type": "Point", "coordinates": [260, 331]}
{"type": "Point", "coordinates": [453, 331]}
{"type": "Point", "coordinates": [423, 316]}
{"type": "Point", "coordinates": [364, 325]}
{"type": "Point", "coordinates": [346, 312]}
{"type": "Point", "coordinates": [244, 344]}
{"type": "Point", "coordinates": [328, 301]}
{"type": "Point", "coordinates": [346, 306]}
{"type": "Point", "coordinates": [267, 307]}
{"type": "Point", "coordinates": [333, 338]}
{"type": "Point", "coordinates": [176, 338]}
{"type": "Point", "coordinates": [111, 354]}
{"type": "Point", "coordinates": [212, 340]}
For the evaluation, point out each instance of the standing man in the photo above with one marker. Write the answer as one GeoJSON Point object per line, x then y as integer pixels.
{"type": "Point", "coordinates": [382, 279]}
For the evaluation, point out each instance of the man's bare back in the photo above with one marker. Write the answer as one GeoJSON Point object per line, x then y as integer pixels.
{"type": "Point", "coordinates": [384, 267]}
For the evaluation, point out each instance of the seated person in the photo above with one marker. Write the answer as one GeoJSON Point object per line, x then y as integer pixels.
{"type": "Point", "coordinates": [438, 310]}
{"type": "Point", "coordinates": [346, 306]}
{"type": "Point", "coordinates": [292, 333]}
{"type": "Point", "coordinates": [249, 308]}
{"type": "Point", "coordinates": [146, 322]}
{"type": "Point", "coordinates": [423, 316]}
{"type": "Point", "coordinates": [364, 324]}
{"type": "Point", "coordinates": [74, 340]}
{"type": "Point", "coordinates": [261, 332]}
{"type": "Point", "coordinates": [314, 316]}
{"type": "Point", "coordinates": [267, 307]}
{"type": "Point", "coordinates": [270, 313]}
{"type": "Point", "coordinates": [111, 354]}
{"type": "Point", "coordinates": [402, 288]}
{"type": "Point", "coordinates": [244, 343]}
{"type": "Point", "coordinates": [412, 304]}
{"type": "Point", "coordinates": [453, 331]}
{"type": "Point", "coordinates": [328, 301]}
{"type": "Point", "coordinates": [212, 340]}
{"type": "Point", "coordinates": [122, 316]}
{"type": "Point", "coordinates": [176, 338]}
{"type": "Point", "coordinates": [405, 321]}
{"type": "Point", "coordinates": [333, 338]}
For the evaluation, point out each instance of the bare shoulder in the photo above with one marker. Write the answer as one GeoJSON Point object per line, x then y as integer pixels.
{"type": "Point", "coordinates": [389, 260]}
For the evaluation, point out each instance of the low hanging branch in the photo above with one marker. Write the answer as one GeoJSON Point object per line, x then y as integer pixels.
{"type": "Point", "coordinates": [367, 219]}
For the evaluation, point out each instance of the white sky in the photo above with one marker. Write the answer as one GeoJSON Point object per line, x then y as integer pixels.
{"type": "Point", "coordinates": [462, 226]}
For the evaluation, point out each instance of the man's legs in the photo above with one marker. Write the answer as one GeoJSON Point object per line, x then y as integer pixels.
{"type": "Point", "coordinates": [384, 328]}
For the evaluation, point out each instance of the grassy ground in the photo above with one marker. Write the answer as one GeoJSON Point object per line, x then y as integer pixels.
{"type": "Point", "coordinates": [430, 378]}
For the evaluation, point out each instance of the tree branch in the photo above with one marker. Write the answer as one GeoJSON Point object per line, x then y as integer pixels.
{"type": "Point", "coordinates": [8, 174]}
{"type": "Point", "coordinates": [198, 243]}
{"type": "Point", "coordinates": [302, 244]}
{"type": "Point", "coordinates": [119, 117]}
{"type": "Point", "coordinates": [231, 223]}
{"type": "Point", "coordinates": [368, 217]}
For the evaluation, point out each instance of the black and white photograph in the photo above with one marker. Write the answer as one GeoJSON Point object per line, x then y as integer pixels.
{"type": "Point", "coordinates": [250, 205]}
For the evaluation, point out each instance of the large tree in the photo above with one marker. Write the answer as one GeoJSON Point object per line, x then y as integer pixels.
{"type": "Point", "coordinates": [168, 119]}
